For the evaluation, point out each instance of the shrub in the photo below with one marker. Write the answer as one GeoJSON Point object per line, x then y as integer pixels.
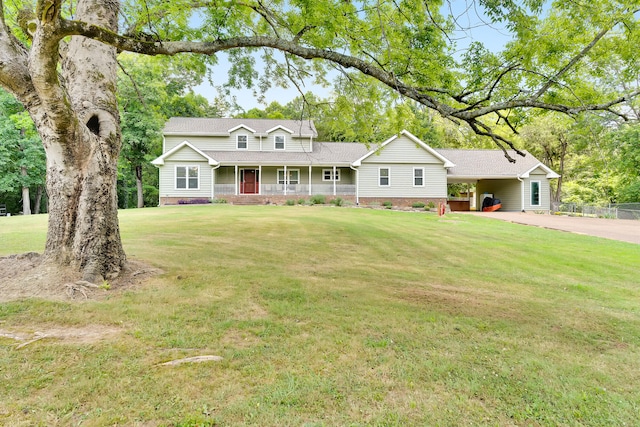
{"type": "Point", "coordinates": [337, 201]}
{"type": "Point", "coordinates": [387, 204]}
{"type": "Point", "coordinates": [318, 199]}
{"type": "Point", "coordinates": [418, 205]}
{"type": "Point", "coordinates": [220, 201]}
{"type": "Point", "coordinates": [290, 202]}
{"type": "Point", "coordinates": [301, 201]}
{"type": "Point", "coordinates": [431, 205]}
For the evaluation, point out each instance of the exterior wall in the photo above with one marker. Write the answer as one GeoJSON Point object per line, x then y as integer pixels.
{"type": "Point", "coordinates": [186, 154]}
{"type": "Point", "coordinates": [167, 181]}
{"type": "Point", "coordinates": [545, 191]}
{"type": "Point", "coordinates": [402, 150]}
{"type": "Point", "coordinates": [507, 190]}
{"type": "Point", "coordinates": [401, 156]}
{"type": "Point", "coordinates": [228, 143]}
{"type": "Point", "coordinates": [401, 180]}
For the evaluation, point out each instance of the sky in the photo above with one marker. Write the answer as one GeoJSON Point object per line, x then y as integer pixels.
{"type": "Point", "coordinates": [476, 27]}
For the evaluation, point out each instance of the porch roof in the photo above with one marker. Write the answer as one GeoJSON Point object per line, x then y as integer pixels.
{"type": "Point", "coordinates": [323, 154]}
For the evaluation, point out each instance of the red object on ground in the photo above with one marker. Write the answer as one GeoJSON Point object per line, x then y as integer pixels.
{"type": "Point", "coordinates": [492, 208]}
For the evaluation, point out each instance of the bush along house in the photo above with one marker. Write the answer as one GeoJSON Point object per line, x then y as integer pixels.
{"type": "Point", "coordinates": [261, 161]}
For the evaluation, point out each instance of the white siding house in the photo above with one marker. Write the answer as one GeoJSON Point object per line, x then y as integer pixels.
{"type": "Point", "coordinates": [271, 161]}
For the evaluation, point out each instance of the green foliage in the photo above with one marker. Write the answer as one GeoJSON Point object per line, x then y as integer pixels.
{"type": "Point", "coordinates": [151, 91]}
{"type": "Point", "coordinates": [290, 202]}
{"type": "Point", "coordinates": [318, 199]}
{"type": "Point", "coordinates": [22, 158]}
{"type": "Point", "coordinates": [418, 205]}
{"type": "Point", "coordinates": [387, 204]}
{"type": "Point", "coordinates": [338, 201]}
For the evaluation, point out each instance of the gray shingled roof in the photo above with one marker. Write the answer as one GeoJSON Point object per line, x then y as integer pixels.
{"type": "Point", "coordinates": [324, 153]}
{"type": "Point", "coordinates": [487, 163]}
{"type": "Point", "coordinates": [208, 126]}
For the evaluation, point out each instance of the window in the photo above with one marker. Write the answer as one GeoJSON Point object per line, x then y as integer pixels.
{"type": "Point", "coordinates": [535, 193]}
{"type": "Point", "coordinates": [187, 177]}
{"type": "Point", "coordinates": [279, 142]}
{"type": "Point", "coordinates": [384, 177]}
{"type": "Point", "coordinates": [242, 142]}
{"type": "Point", "coordinates": [327, 175]}
{"type": "Point", "coordinates": [293, 176]}
{"type": "Point", "coordinates": [418, 177]}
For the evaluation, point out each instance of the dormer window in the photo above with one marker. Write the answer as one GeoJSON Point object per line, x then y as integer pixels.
{"type": "Point", "coordinates": [242, 142]}
{"type": "Point", "coordinates": [279, 142]}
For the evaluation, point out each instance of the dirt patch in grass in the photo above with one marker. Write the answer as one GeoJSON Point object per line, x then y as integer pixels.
{"type": "Point", "coordinates": [28, 276]}
{"type": "Point", "coordinates": [463, 301]}
{"type": "Point", "coordinates": [73, 335]}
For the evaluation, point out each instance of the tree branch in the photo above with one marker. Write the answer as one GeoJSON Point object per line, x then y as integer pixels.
{"type": "Point", "coordinates": [425, 96]}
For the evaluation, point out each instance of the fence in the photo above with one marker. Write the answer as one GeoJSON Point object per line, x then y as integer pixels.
{"type": "Point", "coordinates": [616, 211]}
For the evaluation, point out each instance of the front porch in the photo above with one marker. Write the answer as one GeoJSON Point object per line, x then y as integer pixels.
{"type": "Point", "coordinates": [284, 181]}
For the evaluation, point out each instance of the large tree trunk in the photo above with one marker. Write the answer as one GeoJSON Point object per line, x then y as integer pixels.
{"type": "Point", "coordinates": [139, 186]}
{"type": "Point", "coordinates": [82, 143]}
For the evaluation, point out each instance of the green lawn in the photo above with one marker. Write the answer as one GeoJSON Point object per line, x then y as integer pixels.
{"type": "Point", "coordinates": [335, 316]}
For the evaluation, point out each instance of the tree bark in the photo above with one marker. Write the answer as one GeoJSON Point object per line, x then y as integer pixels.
{"type": "Point", "coordinates": [38, 203]}
{"type": "Point", "coordinates": [78, 122]}
{"type": "Point", "coordinates": [26, 198]}
{"type": "Point", "coordinates": [139, 186]}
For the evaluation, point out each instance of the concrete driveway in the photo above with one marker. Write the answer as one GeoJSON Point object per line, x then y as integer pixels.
{"type": "Point", "coordinates": [617, 229]}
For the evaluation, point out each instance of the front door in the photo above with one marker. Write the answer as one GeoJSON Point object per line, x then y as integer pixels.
{"type": "Point", "coordinates": [249, 181]}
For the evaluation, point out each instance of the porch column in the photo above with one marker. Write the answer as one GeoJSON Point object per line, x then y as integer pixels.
{"type": "Point", "coordinates": [260, 175]}
{"type": "Point", "coordinates": [235, 180]}
{"type": "Point", "coordinates": [286, 180]}
{"type": "Point", "coordinates": [310, 180]}
{"type": "Point", "coordinates": [334, 180]}
{"type": "Point", "coordinates": [213, 183]}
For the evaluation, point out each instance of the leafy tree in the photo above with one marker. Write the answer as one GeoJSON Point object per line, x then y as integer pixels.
{"type": "Point", "coordinates": [22, 161]}
{"type": "Point", "coordinates": [59, 60]}
{"type": "Point", "coordinates": [625, 144]}
{"type": "Point", "coordinates": [548, 138]}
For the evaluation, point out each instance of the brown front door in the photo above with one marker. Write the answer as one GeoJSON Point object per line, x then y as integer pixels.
{"type": "Point", "coordinates": [249, 181]}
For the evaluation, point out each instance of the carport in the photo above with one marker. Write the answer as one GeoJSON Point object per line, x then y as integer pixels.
{"type": "Point", "coordinates": [520, 186]}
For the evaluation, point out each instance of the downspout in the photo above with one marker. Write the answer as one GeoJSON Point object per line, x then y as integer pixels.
{"type": "Point", "coordinates": [357, 184]}
{"type": "Point", "coordinates": [521, 192]}
{"type": "Point", "coordinates": [310, 172]}
{"type": "Point", "coordinates": [260, 175]}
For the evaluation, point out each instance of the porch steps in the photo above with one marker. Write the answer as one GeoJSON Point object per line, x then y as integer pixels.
{"type": "Point", "coordinates": [247, 201]}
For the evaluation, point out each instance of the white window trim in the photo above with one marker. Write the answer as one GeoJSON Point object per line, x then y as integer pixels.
{"type": "Point", "coordinates": [238, 141]}
{"type": "Point", "coordinates": [388, 177]}
{"type": "Point", "coordinates": [284, 142]}
{"type": "Point", "coordinates": [539, 192]}
{"type": "Point", "coordinates": [175, 177]}
{"type": "Point", "coordinates": [414, 177]}
{"type": "Point", "coordinates": [286, 177]}
{"type": "Point", "coordinates": [330, 171]}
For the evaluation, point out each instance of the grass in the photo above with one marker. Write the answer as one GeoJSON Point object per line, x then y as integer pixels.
{"type": "Point", "coordinates": [328, 316]}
